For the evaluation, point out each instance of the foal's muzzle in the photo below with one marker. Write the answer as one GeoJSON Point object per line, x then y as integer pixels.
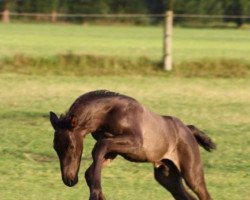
{"type": "Point", "coordinates": [70, 182]}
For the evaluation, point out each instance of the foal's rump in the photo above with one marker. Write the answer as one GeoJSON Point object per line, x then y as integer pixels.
{"type": "Point", "coordinates": [187, 138]}
{"type": "Point", "coordinates": [201, 138]}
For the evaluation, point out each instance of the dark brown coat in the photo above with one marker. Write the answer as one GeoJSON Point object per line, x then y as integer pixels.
{"type": "Point", "coordinates": [122, 126]}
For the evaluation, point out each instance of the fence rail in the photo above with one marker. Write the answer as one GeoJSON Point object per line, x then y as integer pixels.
{"type": "Point", "coordinates": [176, 15]}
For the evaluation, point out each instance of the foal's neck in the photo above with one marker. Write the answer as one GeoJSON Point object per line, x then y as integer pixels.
{"type": "Point", "coordinates": [93, 115]}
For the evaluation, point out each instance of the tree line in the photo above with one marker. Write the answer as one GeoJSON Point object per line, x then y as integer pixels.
{"type": "Point", "coordinates": [211, 7]}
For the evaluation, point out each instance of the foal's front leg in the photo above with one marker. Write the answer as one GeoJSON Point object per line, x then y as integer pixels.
{"type": "Point", "coordinates": [95, 193]}
{"type": "Point", "coordinates": [101, 149]}
{"type": "Point", "coordinates": [90, 172]}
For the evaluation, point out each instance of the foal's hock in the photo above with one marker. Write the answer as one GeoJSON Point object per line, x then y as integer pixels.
{"type": "Point", "coordinates": [122, 126]}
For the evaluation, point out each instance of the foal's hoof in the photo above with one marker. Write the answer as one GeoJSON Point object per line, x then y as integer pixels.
{"type": "Point", "coordinates": [97, 195]}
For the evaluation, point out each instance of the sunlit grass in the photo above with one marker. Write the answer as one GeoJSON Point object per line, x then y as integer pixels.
{"type": "Point", "coordinates": [29, 167]}
{"type": "Point", "coordinates": [128, 41]}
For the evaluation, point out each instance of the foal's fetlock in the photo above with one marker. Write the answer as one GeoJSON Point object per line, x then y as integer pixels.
{"type": "Point", "coordinates": [97, 195]}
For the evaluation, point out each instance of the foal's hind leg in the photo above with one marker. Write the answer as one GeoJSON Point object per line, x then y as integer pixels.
{"type": "Point", "coordinates": [192, 172]}
{"type": "Point", "coordinates": [169, 177]}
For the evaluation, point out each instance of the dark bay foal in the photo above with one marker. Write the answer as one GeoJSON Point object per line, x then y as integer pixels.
{"type": "Point", "coordinates": [122, 126]}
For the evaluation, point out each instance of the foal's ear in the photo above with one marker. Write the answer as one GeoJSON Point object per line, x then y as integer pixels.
{"type": "Point", "coordinates": [73, 121]}
{"type": "Point", "coordinates": [53, 120]}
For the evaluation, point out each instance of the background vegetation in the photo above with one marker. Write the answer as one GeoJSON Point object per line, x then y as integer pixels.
{"type": "Point", "coordinates": [211, 7]}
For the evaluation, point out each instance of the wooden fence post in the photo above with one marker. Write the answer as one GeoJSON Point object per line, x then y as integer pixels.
{"type": "Point", "coordinates": [6, 16]}
{"type": "Point", "coordinates": [53, 16]}
{"type": "Point", "coordinates": [168, 29]}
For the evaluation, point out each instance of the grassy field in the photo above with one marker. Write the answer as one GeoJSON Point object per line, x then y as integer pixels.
{"type": "Point", "coordinates": [28, 164]}
{"type": "Point", "coordinates": [29, 167]}
{"type": "Point", "coordinates": [188, 44]}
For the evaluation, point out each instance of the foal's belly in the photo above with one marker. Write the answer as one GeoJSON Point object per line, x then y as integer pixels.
{"type": "Point", "coordinates": [138, 156]}
{"type": "Point", "coordinates": [155, 146]}
{"type": "Point", "coordinates": [155, 154]}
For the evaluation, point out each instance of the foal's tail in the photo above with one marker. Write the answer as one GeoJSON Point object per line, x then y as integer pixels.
{"type": "Point", "coordinates": [202, 139]}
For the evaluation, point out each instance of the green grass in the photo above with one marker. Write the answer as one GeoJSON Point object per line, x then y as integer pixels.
{"type": "Point", "coordinates": [121, 50]}
{"type": "Point", "coordinates": [189, 44]}
{"type": "Point", "coordinates": [29, 167]}
{"type": "Point", "coordinates": [93, 65]}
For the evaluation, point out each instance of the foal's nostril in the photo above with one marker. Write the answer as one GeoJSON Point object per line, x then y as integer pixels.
{"type": "Point", "coordinates": [70, 182]}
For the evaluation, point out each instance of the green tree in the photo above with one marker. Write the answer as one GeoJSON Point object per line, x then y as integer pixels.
{"type": "Point", "coordinates": [198, 7]}
{"type": "Point", "coordinates": [87, 6]}
{"type": "Point", "coordinates": [229, 10]}
{"type": "Point", "coordinates": [237, 8]}
{"type": "Point", "coordinates": [211, 7]}
{"type": "Point", "coordinates": [125, 6]}
{"type": "Point", "coordinates": [7, 4]}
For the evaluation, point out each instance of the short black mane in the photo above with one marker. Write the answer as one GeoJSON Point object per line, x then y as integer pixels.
{"type": "Point", "coordinates": [97, 94]}
{"type": "Point", "coordinates": [101, 94]}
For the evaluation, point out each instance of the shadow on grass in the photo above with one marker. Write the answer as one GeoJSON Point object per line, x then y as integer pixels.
{"type": "Point", "coordinates": [23, 115]}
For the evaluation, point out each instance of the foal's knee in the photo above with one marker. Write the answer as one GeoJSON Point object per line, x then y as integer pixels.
{"type": "Point", "coordinates": [161, 170]}
{"type": "Point", "coordinates": [100, 149]}
{"type": "Point", "coordinates": [88, 176]}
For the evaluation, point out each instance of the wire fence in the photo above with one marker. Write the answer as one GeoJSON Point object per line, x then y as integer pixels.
{"type": "Point", "coordinates": [54, 17]}
{"type": "Point", "coordinates": [176, 15]}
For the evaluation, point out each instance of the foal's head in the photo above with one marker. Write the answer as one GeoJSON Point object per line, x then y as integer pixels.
{"type": "Point", "coordinates": [68, 144]}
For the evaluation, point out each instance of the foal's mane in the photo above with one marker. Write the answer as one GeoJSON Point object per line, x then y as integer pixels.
{"type": "Point", "coordinates": [100, 94]}
{"type": "Point", "coordinates": [91, 96]}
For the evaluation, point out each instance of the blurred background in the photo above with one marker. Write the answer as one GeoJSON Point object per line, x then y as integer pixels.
{"type": "Point", "coordinates": [189, 59]}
